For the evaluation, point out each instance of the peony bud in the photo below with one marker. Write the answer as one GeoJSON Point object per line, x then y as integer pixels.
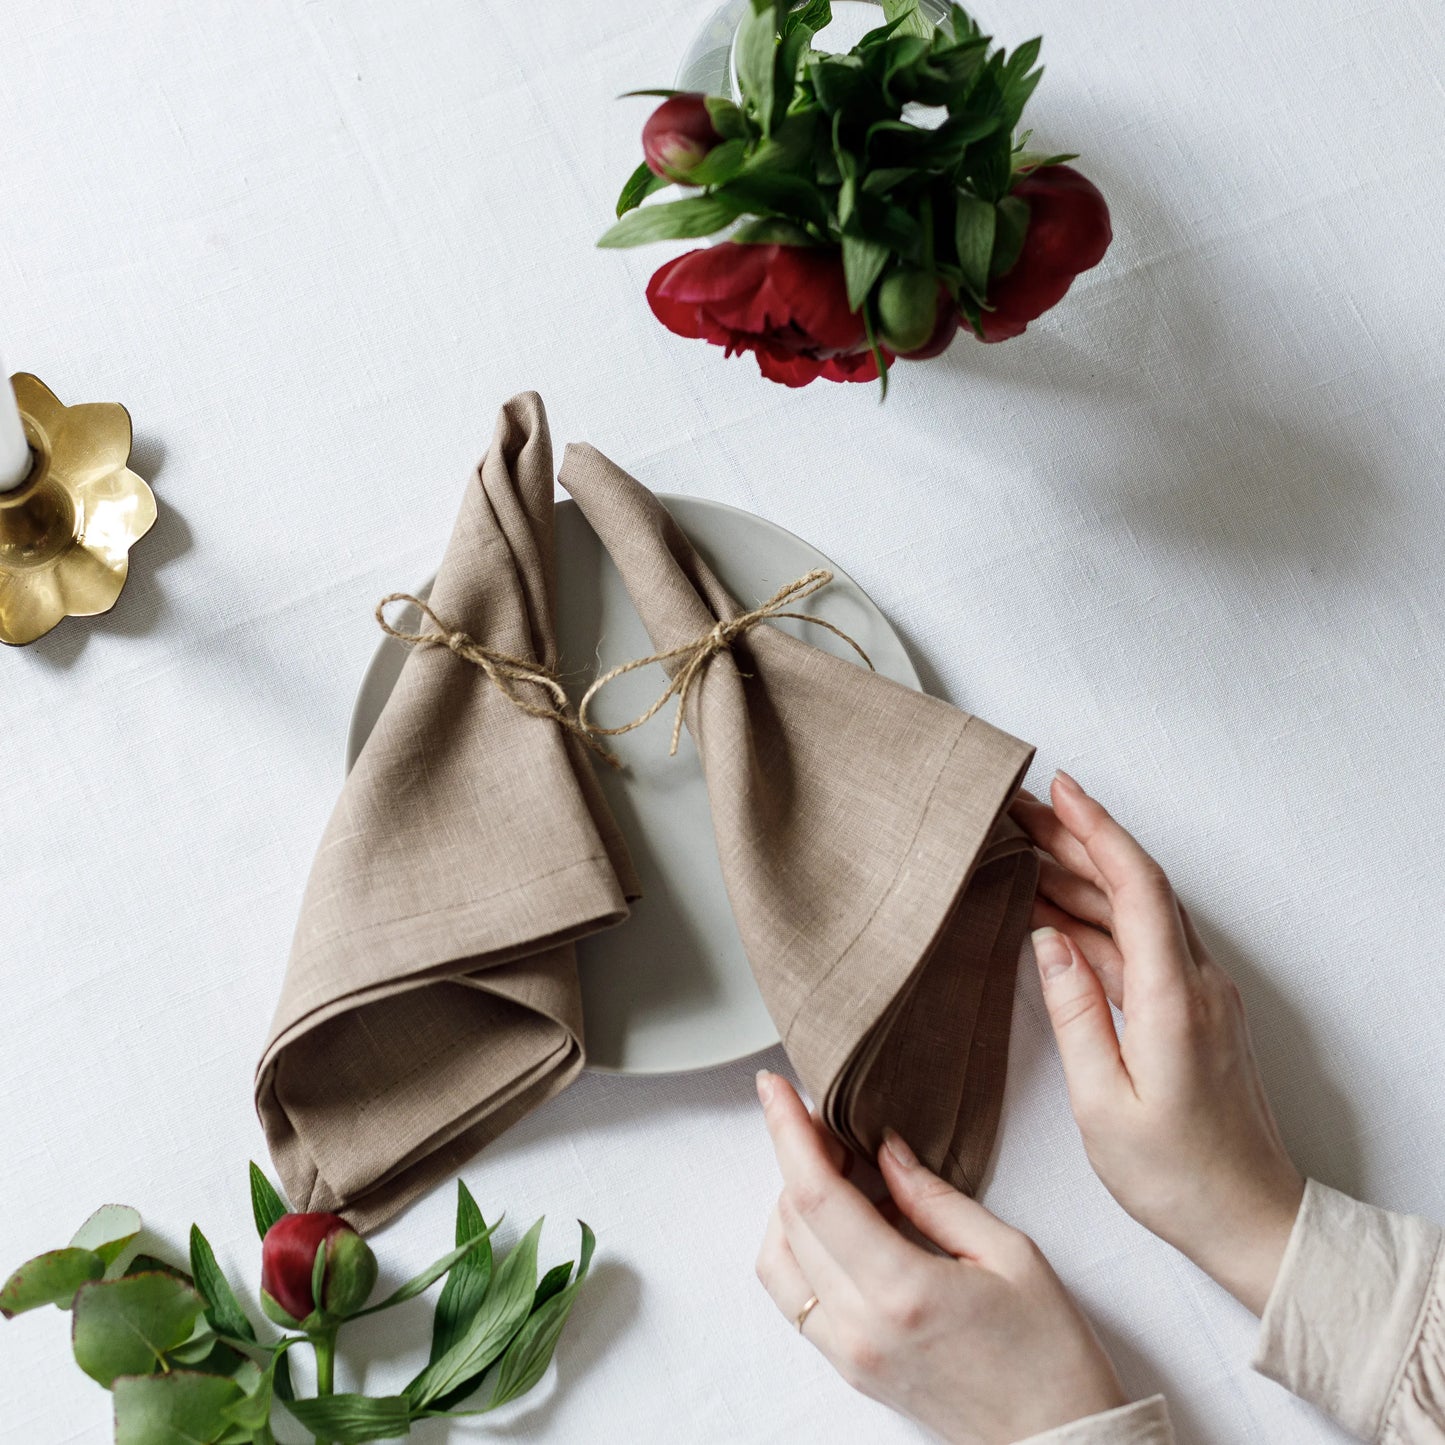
{"type": "Point", "coordinates": [908, 305]}
{"type": "Point", "coordinates": [288, 1258]}
{"type": "Point", "coordinates": [1068, 232]}
{"type": "Point", "coordinates": [677, 135]}
{"type": "Point", "coordinates": [945, 328]}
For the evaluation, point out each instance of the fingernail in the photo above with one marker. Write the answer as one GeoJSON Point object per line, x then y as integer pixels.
{"type": "Point", "coordinates": [765, 1087]}
{"type": "Point", "coordinates": [893, 1143]}
{"type": "Point", "coordinates": [1071, 785]}
{"type": "Point", "coordinates": [1051, 952]}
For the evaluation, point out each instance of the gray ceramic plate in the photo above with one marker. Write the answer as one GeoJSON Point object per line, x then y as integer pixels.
{"type": "Point", "coordinates": [671, 988]}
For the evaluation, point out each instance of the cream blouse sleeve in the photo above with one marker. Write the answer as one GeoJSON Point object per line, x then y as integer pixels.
{"type": "Point", "coordinates": [1145, 1422]}
{"type": "Point", "coordinates": [1356, 1321]}
{"type": "Point", "coordinates": [1355, 1325]}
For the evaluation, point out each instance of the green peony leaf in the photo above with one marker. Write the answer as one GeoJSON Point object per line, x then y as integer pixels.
{"type": "Point", "coordinates": [278, 1316]}
{"type": "Point", "coordinates": [791, 147]}
{"type": "Point", "coordinates": [674, 220]}
{"type": "Point", "coordinates": [207, 1354]}
{"type": "Point", "coordinates": [49, 1279]}
{"type": "Point", "coordinates": [1009, 231]}
{"type": "Point", "coordinates": [1027, 161]}
{"type": "Point", "coordinates": [640, 184]}
{"type": "Point", "coordinates": [126, 1326]}
{"type": "Point", "coordinates": [467, 1282]}
{"type": "Point", "coordinates": [896, 143]}
{"type": "Point", "coordinates": [720, 164]}
{"type": "Point", "coordinates": [756, 50]}
{"type": "Point", "coordinates": [1018, 80]}
{"type": "Point", "coordinates": [318, 1278]}
{"type": "Point", "coordinates": [948, 74]}
{"type": "Point", "coordinates": [353, 1418]}
{"type": "Point", "coordinates": [974, 232]}
{"type": "Point", "coordinates": [506, 1306]}
{"type": "Point", "coordinates": [553, 1283]}
{"type": "Point", "coordinates": [786, 62]}
{"type": "Point", "coordinates": [179, 1408]}
{"type": "Point", "coordinates": [223, 1309]}
{"type": "Point", "coordinates": [220, 1359]}
{"type": "Point", "coordinates": [892, 226]}
{"type": "Point", "coordinates": [531, 1352]}
{"type": "Point", "coordinates": [108, 1231]}
{"type": "Point", "coordinates": [906, 16]}
{"type": "Point", "coordinates": [267, 1206]}
{"type": "Point", "coordinates": [863, 263]}
{"type": "Point", "coordinates": [870, 329]}
{"type": "Point", "coordinates": [965, 28]}
{"type": "Point", "coordinates": [879, 182]}
{"type": "Point", "coordinates": [284, 1389]}
{"type": "Point", "coordinates": [762, 191]}
{"type": "Point", "coordinates": [727, 119]}
{"type": "Point", "coordinates": [812, 16]}
{"type": "Point", "coordinates": [771, 231]}
{"type": "Point", "coordinates": [838, 81]}
{"type": "Point", "coordinates": [199, 1344]}
{"type": "Point", "coordinates": [258, 1388]}
{"type": "Point", "coordinates": [988, 166]}
{"type": "Point", "coordinates": [769, 51]}
{"type": "Point", "coordinates": [907, 62]}
{"type": "Point", "coordinates": [429, 1276]}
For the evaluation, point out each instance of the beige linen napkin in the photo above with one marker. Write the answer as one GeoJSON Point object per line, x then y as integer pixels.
{"type": "Point", "coordinates": [881, 893]}
{"type": "Point", "coordinates": [431, 998]}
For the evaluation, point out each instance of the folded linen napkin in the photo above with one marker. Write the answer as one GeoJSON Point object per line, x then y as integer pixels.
{"type": "Point", "coordinates": [431, 998]}
{"type": "Point", "coordinates": [881, 892]}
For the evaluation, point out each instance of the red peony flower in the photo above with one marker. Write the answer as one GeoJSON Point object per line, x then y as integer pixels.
{"type": "Point", "coordinates": [786, 304]}
{"type": "Point", "coordinates": [677, 135]}
{"type": "Point", "coordinates": [1068, 232]}
{"type": "Point", "coordinates": [288, 1255]}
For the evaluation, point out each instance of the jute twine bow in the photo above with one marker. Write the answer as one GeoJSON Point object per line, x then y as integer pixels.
{"type": "Point", "coordinates": [501, 668]}
{"type": "Point", "coordinates": [702, 650]}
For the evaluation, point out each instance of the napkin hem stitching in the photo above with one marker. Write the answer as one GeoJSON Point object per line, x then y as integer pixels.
{"type": "Point", "coordinates": [887, 892]}
{"type": "Point", "coordinates": [333, 939]}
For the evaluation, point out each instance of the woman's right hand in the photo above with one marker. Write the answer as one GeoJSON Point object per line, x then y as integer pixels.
{"type": "Point", "coordinates": [1173, 1115]}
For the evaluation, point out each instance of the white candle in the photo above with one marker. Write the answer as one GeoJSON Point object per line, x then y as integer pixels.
{"type": "Point", "coordinates": [14, 449]}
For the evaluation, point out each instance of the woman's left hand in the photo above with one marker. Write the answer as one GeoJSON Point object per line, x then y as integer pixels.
{"type": "Point", "coordinates": [981, 1344]}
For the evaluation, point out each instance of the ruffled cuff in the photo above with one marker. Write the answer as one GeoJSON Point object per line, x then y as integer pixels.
{"type": "Point", "coordinates": [1355, 1323]}
{"type": "Point", "coordinates": [1416, 1408]}
{"type": "Point", "coordinates": [1145, 1422]}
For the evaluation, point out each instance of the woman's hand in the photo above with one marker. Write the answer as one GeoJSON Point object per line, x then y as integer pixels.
{"type": "Point", "coordinates": [981, 1344]}
{"type": "Point", "coordinates": [1174, 1116]}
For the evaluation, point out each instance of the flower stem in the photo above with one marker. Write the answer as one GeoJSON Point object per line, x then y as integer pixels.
{"type": "Point", "coordinates": [323, 1342]}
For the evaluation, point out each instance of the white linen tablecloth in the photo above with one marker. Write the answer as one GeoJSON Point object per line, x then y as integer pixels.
{"type": "Point", "coordinates": [1185, 535]}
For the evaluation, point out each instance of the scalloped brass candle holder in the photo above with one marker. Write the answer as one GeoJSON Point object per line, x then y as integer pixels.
{"type": "Point", "coordinates": [67, 530]}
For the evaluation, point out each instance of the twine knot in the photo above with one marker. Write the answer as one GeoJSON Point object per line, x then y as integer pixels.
{"type": "Point", "coordinates": [501, 668]}
{"type": "Point", "coordinates": [699, 652]}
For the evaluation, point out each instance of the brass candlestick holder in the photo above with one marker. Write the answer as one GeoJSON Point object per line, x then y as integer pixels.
{"type": "Point", "coordinates": [67, 530]}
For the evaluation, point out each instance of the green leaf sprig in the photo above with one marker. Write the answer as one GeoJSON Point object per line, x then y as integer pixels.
{"type": "Point", "coordinates": [832, 145]}
{"type": "Point", "coordinates": [186, 1365]}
